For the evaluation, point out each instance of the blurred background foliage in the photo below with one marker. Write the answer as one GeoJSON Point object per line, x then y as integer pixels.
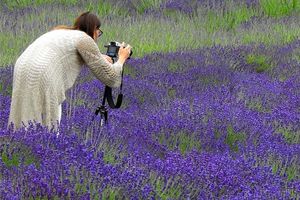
{"type": "Point", "coordinates": [154, 25]}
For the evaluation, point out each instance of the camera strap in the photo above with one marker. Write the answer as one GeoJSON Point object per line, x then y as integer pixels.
{"type": "Point", "coordinates": [109, 98]}
{"type": "Point", "coordinates": [108, 95]}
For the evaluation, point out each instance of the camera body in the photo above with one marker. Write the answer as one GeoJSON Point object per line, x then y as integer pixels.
{"type": "Point", "coordinates": [113, 49]}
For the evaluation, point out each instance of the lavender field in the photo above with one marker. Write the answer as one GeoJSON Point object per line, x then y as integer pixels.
{"type": "Point", "coordinates": [211, 105]}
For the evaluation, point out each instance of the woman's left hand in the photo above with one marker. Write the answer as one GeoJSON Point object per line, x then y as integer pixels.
{"type": "Point", "coordinates": [108, 58]}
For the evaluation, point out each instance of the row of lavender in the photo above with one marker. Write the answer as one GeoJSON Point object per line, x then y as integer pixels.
{"type": "Point", "coordinates": [206, 124]}
{"type": "Point", "coordinates": [126, 8]}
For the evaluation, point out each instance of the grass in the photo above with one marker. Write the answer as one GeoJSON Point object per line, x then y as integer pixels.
{"type": "Point", "coordinates": [270, 33]}
{"type": "Point", "coordinates": [228, 20]}
{"type": "Point", "coordinates": [12, 45]}
{"type": "Point", "coordinates": [166, 188]}
{"type": "Point", "coordinates": [142, 5]}
{"type": "Point", "coordinates": [279, 8]}
{"type": "Point", "coordinates": [233, 139]}
{"type": "Point", "coordinates": [182, 141]}
{"type": "Point", "coordinates": [166, 34]}
{"type": "Point", "coordinates": [26, 3]}
{"type": "Point", "coordinates": [290, 170]}
{"type": "Point", "coordinates": [290, 136]}
{"type": "Point", "coordinates": [12, 156]}
{"type": "Point", "coordinates": [104, 9]}
{"type": "Point", "coordinates": [110, 194]}
{"type": "Point", "coordinates": [260, 62]}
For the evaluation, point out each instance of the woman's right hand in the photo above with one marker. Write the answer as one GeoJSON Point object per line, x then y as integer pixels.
{"type": "Point", "coordinates": [124, 52]}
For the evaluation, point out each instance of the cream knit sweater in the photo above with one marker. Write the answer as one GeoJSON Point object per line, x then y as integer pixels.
{"type": "Point", "coordinates": [48, 68]}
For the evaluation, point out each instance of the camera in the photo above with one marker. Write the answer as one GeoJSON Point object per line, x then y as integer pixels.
{"type": "Point", "coordinates": [113, 49]}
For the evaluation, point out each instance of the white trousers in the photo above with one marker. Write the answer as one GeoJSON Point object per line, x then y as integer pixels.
{"type": "Point", "coordinates": [59, 112]}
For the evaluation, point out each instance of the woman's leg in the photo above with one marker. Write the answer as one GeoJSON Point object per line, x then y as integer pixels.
{"type": "Point", "coordinates": [59, 112]}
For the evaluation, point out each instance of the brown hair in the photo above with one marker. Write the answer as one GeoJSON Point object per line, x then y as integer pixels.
{"type": "Point", "coordinates": [86, 22]}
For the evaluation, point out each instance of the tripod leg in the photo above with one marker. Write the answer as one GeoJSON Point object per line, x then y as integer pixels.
{"type": "Point", "coordinates": [101, 121]}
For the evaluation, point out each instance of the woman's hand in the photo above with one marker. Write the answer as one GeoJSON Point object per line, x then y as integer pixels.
{"type": "Point", "coordinates": [124, 52]}
{"type": "Point", "coordinates": [109, 59]}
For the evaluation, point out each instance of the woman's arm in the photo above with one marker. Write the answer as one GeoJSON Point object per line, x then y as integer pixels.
{"type": "Point", "coordinates": [109, 74]}
{"type": "Point", "coordinates": [109, 59]}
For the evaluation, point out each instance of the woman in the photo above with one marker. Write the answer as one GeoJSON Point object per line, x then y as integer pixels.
{"type": "Point", "coordinates": [50, 66]}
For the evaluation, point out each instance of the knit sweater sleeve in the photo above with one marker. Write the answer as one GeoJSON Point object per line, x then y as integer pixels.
{"type": "Point", "coordinates": [109, 74]}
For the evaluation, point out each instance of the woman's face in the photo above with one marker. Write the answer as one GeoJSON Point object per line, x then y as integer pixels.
{"type": "Point", "coordinates": [97, 33]}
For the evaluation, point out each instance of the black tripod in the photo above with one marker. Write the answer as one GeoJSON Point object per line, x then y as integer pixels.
{"type": "Point", "coordinates": [112, 51]}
